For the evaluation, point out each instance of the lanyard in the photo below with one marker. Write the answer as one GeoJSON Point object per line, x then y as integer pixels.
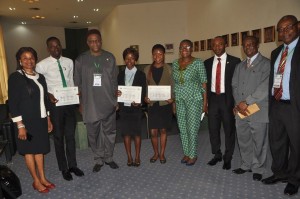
{"type": "Point", "coordinates": [97, 66]}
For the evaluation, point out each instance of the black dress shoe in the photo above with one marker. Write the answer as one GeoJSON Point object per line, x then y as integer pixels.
{"type": "Point", "coordinates": [76, 171]}
{"type": "Point", "coordinates": [112, 165]}
{"type": "Point", "coordinates": [67, 175]}
{"type": "Point", "coordinates": [214, 161]}
{"type": "Point", "coordinates": [290, 189]}
{"type": "Point", "coordinates": [257, 177]}
{"type": "Point", "coordinates": [273, 179]}
{"type": "Point", "coordinates": [240, 171]}
{"type": "Point", "coordinates": [97, 168]}
{"type": "Point", "coordinates": [227, 165]}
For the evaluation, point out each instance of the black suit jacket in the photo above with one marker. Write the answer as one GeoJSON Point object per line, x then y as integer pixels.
{"type": "Point", "coordinates": [294, 84]}
{"type": "Point", "coordinates": [231, 63]}
{"type": "Point", "coordinates": [139, 80]}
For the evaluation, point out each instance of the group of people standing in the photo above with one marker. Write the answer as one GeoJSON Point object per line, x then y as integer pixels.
{"type": "Point", "coordinates": [223, 87]}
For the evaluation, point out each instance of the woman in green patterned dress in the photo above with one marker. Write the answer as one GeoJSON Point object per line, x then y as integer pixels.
{"type": "Point", "coordinates": [190, 98]}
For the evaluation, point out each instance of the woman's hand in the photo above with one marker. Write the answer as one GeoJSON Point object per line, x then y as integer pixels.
{"type": "Point", "coordinates": [52, 98]}
{"type": "Point", "coordinates": [170, 101]}
{"type": "Point", "coordinates": [50, 126]}
{"type": "Point", "coordinates": [118, 93]}
{"type": "Point", "coordinates": [147, 100]}
{"type": "Point", "coordinates": [22, 133]}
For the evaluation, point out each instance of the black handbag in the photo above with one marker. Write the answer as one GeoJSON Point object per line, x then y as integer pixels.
{"type": "Point", "coordinates": [9, 183]}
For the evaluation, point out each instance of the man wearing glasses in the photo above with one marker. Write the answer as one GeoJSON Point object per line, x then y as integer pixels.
{"type": "Point", "coordinates": [284, 107]}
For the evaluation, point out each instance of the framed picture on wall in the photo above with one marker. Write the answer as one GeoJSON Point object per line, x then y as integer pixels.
{"type": "Point", "coordinates": [226, 39]}
{"type": "Point", "coordinates": [209, 44]}
{"type": "Point", "coordinates": [169, 48]}
{"type": "Point", "coordinates": [243, 35]}
{"type": "Point", "coordinates": [269, 34]}
{"type": "Point", "coordinates": [235, 39]}
{"type": "Point", "coordinates": [196, 46]}
{"type": "Point", "coordinates": [257, 33]}
{"type": "Point", "coordinates": [136, 47]}
{"type": "Point", "coordinates": [202, 45]}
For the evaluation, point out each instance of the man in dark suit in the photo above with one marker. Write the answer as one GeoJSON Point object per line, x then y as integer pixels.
{"type": "Point", "coordinates": [284, 108]}
{"type": "Point", "coordinates": [220, 69]}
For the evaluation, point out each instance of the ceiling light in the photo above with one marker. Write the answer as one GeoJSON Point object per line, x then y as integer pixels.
{"type": "Point", "coordinates": [96, 9]}
{"type": "Point", "coordinates": [10, 8]}
{"type": "Point", "coordinates": [23, 22]}
{"type": "Point", "coordinates": [38, 17]}
{"type": "Point", "coordinates": [31, 1]}
{"type": "Point", "coordinates": [88, 22]}
{"type": "Point", "coordinates": [75, 16]}
{"type": "Point", "coordinates": [79, 0]}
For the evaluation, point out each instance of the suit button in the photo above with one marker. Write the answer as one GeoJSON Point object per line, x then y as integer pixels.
{"type": "Point", "coordinates": [242, 93]}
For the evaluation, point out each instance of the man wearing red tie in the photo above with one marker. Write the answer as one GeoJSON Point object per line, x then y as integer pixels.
{"type": "Point", "coordinates": [220, 69]}
{"type": "Point", "coordinates": [284, 108]}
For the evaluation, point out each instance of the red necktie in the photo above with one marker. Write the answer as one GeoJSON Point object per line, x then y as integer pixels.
{"type": "Point", "coordinates": [218, 77]}
{"type": "Point", "coordinates": [278, 91]}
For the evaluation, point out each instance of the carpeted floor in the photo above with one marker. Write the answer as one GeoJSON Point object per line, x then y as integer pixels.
{"type": "Point", "coordinates": [151, 180]}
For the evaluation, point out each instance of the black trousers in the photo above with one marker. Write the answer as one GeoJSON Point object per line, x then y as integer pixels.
{"type": "Point", "coordinates": [219, 112]}
{"type": "Point", "coordinates": [284, 138]}
{"type": "Point", "coordinates": [64, 124]}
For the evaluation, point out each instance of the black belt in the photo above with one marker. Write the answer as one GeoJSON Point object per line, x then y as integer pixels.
{"type": "Point", "coordinates": [217, 94]}
{"type": "Point", "coordinates": [282, 101]}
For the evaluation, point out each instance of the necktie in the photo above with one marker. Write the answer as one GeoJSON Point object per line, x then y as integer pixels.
{"type": "Point", "coordinates": [218, 77]}
{"type": "Point", "coordinates": [62, 74]}
{"type": "Point", "coordinates": [248, 63]}
{"type": "Point", "coordinates": [278, 91]}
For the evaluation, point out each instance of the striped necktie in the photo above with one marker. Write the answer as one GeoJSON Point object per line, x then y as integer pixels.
{"type": "Point", "coordinates": [278, 91]}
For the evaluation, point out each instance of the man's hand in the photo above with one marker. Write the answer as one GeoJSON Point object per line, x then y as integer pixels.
{"type": "Point", "coordinates": [242, 108]}
{"type": "Point", "coordinates": [52, 98]}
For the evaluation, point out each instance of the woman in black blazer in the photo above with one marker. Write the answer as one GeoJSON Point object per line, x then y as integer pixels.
{"type": "Point", "coordinates": [130, 121]}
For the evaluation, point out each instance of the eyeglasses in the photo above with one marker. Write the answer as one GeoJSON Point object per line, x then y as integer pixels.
{"type": "Point", "coordinates": [184, 48]}
{"type": "Point", "coordinates": [286, 29]}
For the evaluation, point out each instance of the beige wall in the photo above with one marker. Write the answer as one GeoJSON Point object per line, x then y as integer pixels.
{"type": "Point", "coordinates": [145, 25]}
{"type": "Point", "coordinates": [220, 17]}
{"type": "Point", "coordinates": [16, 36]}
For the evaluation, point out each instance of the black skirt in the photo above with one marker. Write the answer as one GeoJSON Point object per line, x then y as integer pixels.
{"type": "Point", "coordinates": [160, 117]}
{"type": "Point", "coordinates": [130, 121]}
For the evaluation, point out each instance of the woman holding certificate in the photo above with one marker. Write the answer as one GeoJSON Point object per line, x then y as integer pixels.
{"type": "Point", "coordinates": [29, 106]}
{"type": "Point", "coordinates": [190, 98]}
{"type": "Point", "coordinates": [131, 112]}
{"type": "Point", "coordinates": [159, 111]}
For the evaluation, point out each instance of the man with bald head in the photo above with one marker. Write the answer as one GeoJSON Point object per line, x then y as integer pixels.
{"type": "Point", "coordinates": [220, 69]}
{"type": "Point", "coordinates": [284, 107]}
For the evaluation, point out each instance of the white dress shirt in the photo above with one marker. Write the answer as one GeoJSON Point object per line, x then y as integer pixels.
{"type": "Point", "coordinates": [49, 68]}
{"type": "Point", "coordinates": [214, 69]}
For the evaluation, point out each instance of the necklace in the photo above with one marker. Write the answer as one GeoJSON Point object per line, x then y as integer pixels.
{"type": "Point", "coordinates": [33, 73]}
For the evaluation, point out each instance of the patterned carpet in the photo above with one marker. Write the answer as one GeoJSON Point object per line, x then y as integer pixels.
{"type": "Point", "coordinates": [151, 180]}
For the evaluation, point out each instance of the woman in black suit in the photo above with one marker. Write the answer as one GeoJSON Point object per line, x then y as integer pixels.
{"type": "Point", "coordinates": [131, 113]}
{"type": "Point", "coordinates": [28, 103]}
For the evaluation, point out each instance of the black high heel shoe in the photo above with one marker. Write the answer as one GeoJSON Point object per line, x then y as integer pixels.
{"type": "Point", "coordinates": [137, 163]}
{"type": "Point", "coordinates": [129, 164]}
{"type": "Point", "coordinates": [163, 161]}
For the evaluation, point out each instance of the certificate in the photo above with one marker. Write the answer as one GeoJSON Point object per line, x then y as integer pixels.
{"type": "Point", "coordinates": [66, 96]}
{"type": "Point", "coordinates": [130, 94]}
{"type": "Point", "coordinates": [159, 93]}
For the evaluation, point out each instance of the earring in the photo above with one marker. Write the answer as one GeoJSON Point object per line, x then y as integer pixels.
{"type": "Point", "coordinates": [20, 64]}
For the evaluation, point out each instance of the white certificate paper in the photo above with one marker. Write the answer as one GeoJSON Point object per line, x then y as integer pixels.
{"type": "Point", "coordinates": [159, 93]}
{"type": "Point", "coordinates": [130, 94]}
{"type": "Point", "coordinates": [66, 96]}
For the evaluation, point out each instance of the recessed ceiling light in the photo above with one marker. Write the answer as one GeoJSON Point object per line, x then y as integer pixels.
{"type": "Point", "coordinates": [38, 17]}
{"type": "Point", "coordinates": [11, 8]}
{"type": "Point", "coordinates": [75, 16]}
{"type": "Point", "coordinates": [23, 22]}
{"type": "Point", "coordinates": [31, 1]}
{"type": "Point", "coordinates": [88, 22]}
{"type": "Point", "coordinates": [79, 0]}
{"type": "Point", "coordinates": [34, 9]}
{"type": "Point", "coordinates": [96, 9]}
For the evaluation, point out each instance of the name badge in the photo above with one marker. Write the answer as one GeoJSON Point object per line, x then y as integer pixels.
{"type": "Point", "coordinates": [277, 80]}
{"type": "Point", "coordinates": [97, 80]}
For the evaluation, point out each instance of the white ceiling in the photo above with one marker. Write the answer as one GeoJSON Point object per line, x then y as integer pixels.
{"type": "Point", "coordinates": [60, 12]}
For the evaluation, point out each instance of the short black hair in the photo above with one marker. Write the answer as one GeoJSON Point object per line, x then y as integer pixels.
{"type": "Point", "coordinates": [253, 38]}
{"type": "Point", "coordinates": [187, 41]}
{"type": "Point", "coordinates": [51, 39]}
{"type": "Point", "coordinates": [93, 32]}
{"type": "Point", "coordinates": [132, 51]}
{"type": "Point", "coordinates": [158, 47]}
{"type": "Point", "coordinates": [290, 17]}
